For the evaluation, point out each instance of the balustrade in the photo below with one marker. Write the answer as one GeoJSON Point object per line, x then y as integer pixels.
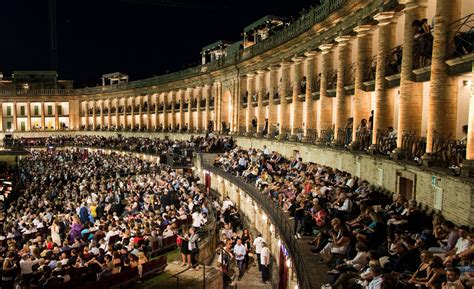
{"type": "Point", "coordinates": [371, 69]}
{"type": "Point", "coordinates": [448, 152]}
{"type": "Point", "coordinates": [394, 61]}
{"type": "Point", "coordinates": [386, 142]}
{"type": "Point", "coordinates": [463, 37]}
{"type": "Point", "coordinates": [344, 136]}
{"type": "Point", "coordinates": [363, 140]}
{"type": "Point", "coordinates": [326, 136]}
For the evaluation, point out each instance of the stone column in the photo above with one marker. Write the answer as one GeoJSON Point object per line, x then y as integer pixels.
{"type": "Point", "coordinates": [189, 97]}
{"type": "Point", "coordinates": [198, 109]}
{"type": "Point", "coordinates": [207, 106]}
{"type": "Point", "coordinates": [165, 111]}
{"type": "Point", "coordinates": [344, 61]}
{"type": "Point", "coordinates": [148, 112]}
{"type": "Point", "coordinates": [28, 116]}
{"type": "Point", "coordinates": [133, 123]}
{"type": "Point", "coordinates": [14, 121]}
{"type": "Point", "coordinates": [173, 114]}
{"type": "Point", "coordinates": [94, 115]}
{"type": "Point", "coordinates": [442, 101]}
{"type": "Point", "coordinates": [296, 114]}
{"type": "Point", "coordinates": [250, 108]}
{"type": "Point", "coordinates": [324, 114]}
{"type": "Point", "coordinates": [261, 90]}
{"type": "Point", "coordinates": [109, 115]}
{"type": "Point", "coordinates": [181, 109]}
{"type": "Point", "coordinates": [157, 100]}
{"type": "Point", "coordinates": [283, 116]}
{"type": "Point", "coordinates": [411, 92]}
{"type": "Point", "coordinates": [117, 116]}
{"type": "Point", "coordinates": [101, 116]}
{"type": "Point", "coordinates": [236, 104]}
{"type": "Point", "coordinates": [468, 164]}
{"type": "Point", "coordinates": [125, 120]}
{"type": "Point", "coordinates": [383, 112]}
{"type": "Point", "coordinates": [1, 116]}
{"type": "Point", "coordinates": [273, 88]}
{"type": "Point", "coordinates": [43, 114]}
{"type": "Point", "coordinates": [215, 95]}
{"type": "Point", "coordinates": [86, 114]}
{"type": "Point", "coordinates": [140, 112]}
{"type": "Point", "coordinates": [361, 97]}
{"type": "Point", "coordinates": [309, 116]}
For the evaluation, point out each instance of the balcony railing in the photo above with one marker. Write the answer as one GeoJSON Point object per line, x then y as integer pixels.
{"type": "Point", "coordinates": [344, 136]}
{"type": "Point", "coordinates": [15, 92]}
{"type": "Point", "coordinates": [463, 36]}
{"type": "Point", "coordinates": [422, 50]}
{"type": "Point", "coordinates": [326, 136]}
{"type": "Point", "coordinates": [394, 61]}
{"type": "Point", "coordinates": [413, 147]}
{"type": "Point", "coordinates": [363, 140]}
{"type": "Point", "coordinates": [386, 142]}
{"type": "Point", "coordinates": [351, 75]}
{"type": "Point", "coordinates": [448, 152]}
{"type": "Point", "coordinates": [371, 69]}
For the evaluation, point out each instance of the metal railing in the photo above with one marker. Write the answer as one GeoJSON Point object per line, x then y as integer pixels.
{"type": "Point", "coordinates": [326, 136]}
{"type": "Point", "coordinates": [413, 147]}
{"type": "Point", "coordinates": [351, 74]}
{"type": "Point", "coordinates": [422, 50]}
{"type": "Point", "coordinates": [332, 79]}
{"type": "Point", "coordinates": [344, 136]}
{"type": "Point", "coordinates": [363, 140]}
{"type": "Point", "coordinates": [277, 216]}
{"type": "Point", "coordinates": [463, 39]}
{"type": "Point", "coordinates": [371, 69]}
{"type": "Point", "coordinates": [393, 64]}
{"type": "Point", "coordinates": [448, 152]}
{"type": "Point", "coordinates": [386, 142]}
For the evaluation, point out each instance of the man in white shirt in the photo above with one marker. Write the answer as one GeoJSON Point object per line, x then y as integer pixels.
{"type": "Point", "coordinates": [240, 251]}
{"type": "Point", "coordinates": [26, 265]}
{"type": "Point", "coordinates": [257, 244]}
{"type": "Point", "coordinates": [265, 262]}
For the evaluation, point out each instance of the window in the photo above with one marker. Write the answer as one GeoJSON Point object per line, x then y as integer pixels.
{"type": "Point", "coordinates": [50, 110]}
{"type": "Point", "coordinates": [36, 110]}
{"type": "Point", "coordinates": [9, 125]}
{"type": "Point", "coordinates": [22, 110]}
{"type": "Point", "coordinates": [60, 109]}
{"type": "Point", "coordinates": [9, 110]}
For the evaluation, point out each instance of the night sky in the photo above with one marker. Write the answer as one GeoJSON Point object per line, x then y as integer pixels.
{"type": "Point", "coordinates": [139, 37]}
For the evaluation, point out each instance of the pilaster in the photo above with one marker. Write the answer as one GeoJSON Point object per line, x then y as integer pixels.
{"type": "Point", "coordinates": [325, 102]}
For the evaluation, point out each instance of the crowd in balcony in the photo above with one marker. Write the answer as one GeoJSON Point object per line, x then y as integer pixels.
{"type": "Point", "coordinates": [365, 236]}
{"type": "Point", "coordinates": [86, 216]}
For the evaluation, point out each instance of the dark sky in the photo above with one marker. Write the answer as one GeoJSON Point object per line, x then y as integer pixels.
{"type": "Point", "coordinates": [139, 37]}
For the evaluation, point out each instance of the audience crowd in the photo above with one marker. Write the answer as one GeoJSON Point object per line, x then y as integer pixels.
{"type": "Point", "coordinates": [368, 238]}
{"type": "Point", "coordinates": [208, 143]}
{"type": "Point", "coordinates": [88, 215]}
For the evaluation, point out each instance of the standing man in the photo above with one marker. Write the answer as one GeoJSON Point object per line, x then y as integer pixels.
{"type": "Point", "coordinates": [258, 244]}
{"type": "Point", "coordinates": [193, 247]}
{"type": "Point", "coordinates": [240, 251]}
{"type": "Point", "coordinates": [265, 262]}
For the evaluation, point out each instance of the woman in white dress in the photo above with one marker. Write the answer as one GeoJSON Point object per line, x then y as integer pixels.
{"type": "Point", "coordinates": [55, 233]}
